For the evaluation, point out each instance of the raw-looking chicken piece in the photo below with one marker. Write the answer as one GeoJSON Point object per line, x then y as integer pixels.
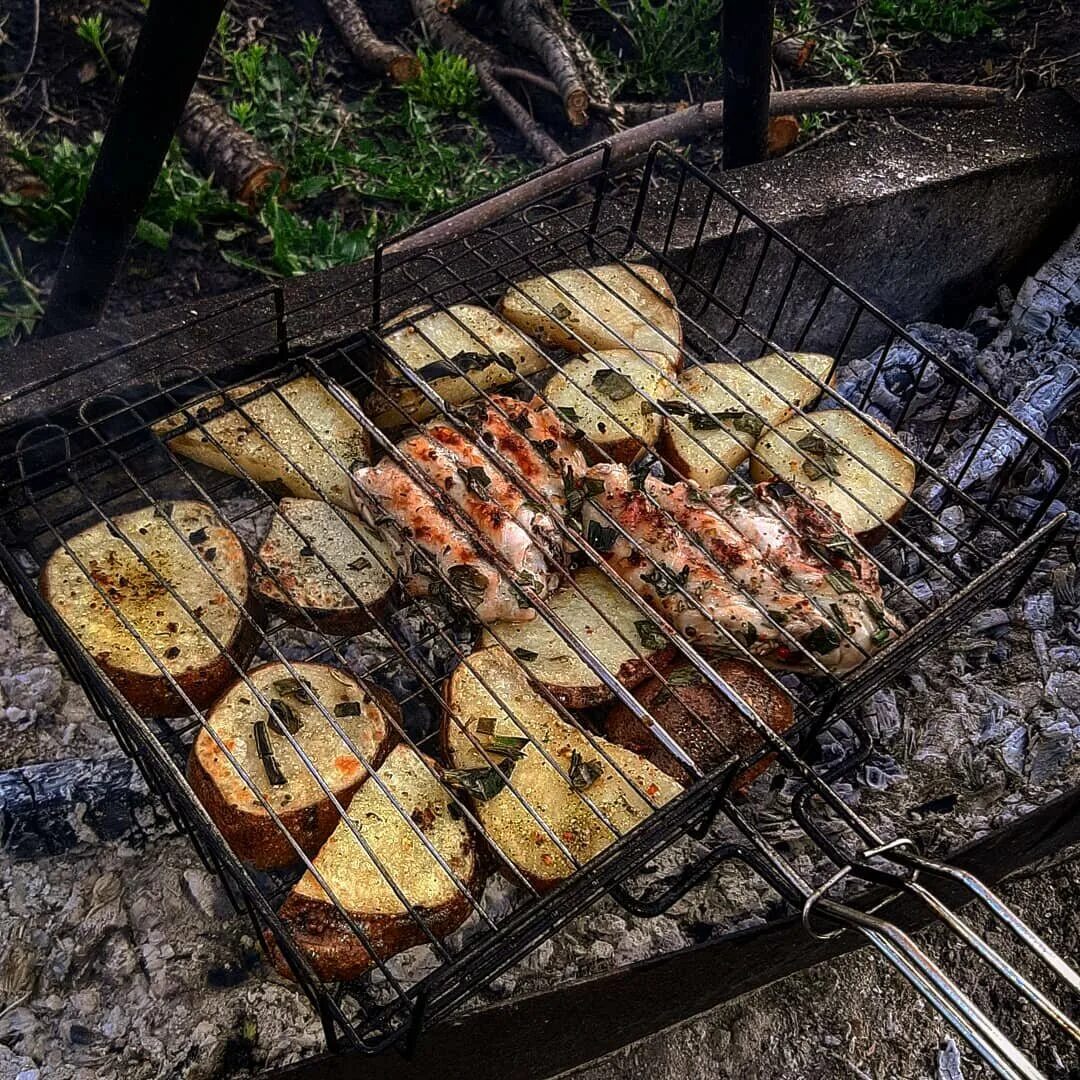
{"type": "Point", "coordinates": [770, 566]}
{"type": "Point", "coordinates": [479, 526]}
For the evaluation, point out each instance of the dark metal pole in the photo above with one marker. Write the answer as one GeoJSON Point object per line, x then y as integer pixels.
{"type": "Point", "coordinates": [747, 46]}
{"type": "Point", "coordinates": [163, 69]}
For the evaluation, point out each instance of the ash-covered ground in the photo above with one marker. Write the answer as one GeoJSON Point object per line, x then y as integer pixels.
{"type": "Point", "coordinates": [121, 958]}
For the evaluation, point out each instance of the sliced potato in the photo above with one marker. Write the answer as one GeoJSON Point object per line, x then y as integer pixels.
{"type": "Point", "coordinates": [819, 452]}
{"type": "Point", "coordinates": [703, 722]}
{"type": "Point", "coordinates": [604, 621]}
{"type": "Point", "coordinates": [320, 563]}
{"type": "Point", "coordinates": [306, 423]}
{"type": "Point", "coordinates": [139, 562]}
{"type": "Point", "coordinates": [764, 393]}
{"type": "Point", "coordinates": [607, 396]}
{"type": "Point", "coordinates": [476, 695]}
{"type": "Point", "coordinates": [360, 884]}
{"type": "Point", "coordinates": [464, 338]}
{"type": "Point", "coordinates": [605, 307]}
{"type": "Point", "coordinates": [364, 712]}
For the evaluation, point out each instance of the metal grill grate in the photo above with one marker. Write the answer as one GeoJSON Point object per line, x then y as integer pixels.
{"type": "Point", "coordinates": [742, 290]}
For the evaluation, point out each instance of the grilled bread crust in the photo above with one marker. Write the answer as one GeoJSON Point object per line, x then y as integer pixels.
{"type": "Point", "coordinates": [305, 811]}
{"type": "Point", "coordinates": [321, 931]}
{"type": "Point", "coordinates": [135, 582]}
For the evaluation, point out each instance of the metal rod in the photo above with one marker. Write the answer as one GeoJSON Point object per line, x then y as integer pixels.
{"type": "Point", "coordinates": [747, 48]}
{"type": "Point", "coordinates": [163, 69]}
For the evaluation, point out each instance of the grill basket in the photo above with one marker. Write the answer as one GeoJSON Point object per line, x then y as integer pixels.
{"type": "Point", "coordinates": [742, 290]}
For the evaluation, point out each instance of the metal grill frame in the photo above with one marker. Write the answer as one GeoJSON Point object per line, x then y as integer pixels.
{"type": "Point", "coordinates": [158, 747]}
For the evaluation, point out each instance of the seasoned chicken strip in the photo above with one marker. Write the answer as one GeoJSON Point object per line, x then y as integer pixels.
{"type": "Point", "coordinates": [389, 490]}
{"type": "Point", "coordinates": [780, 573]}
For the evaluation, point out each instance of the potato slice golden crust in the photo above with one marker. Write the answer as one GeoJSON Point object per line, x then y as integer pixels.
{"type": "Point", "coordinates": [848, 466]}
{"type": "Point", "coordinates": [473, 694]}
{"type": "Point", "coordinates": [608, 396]}
{"type": "Point", "coordinates": [359, 883]}
{"type": "Point", "coordinates": [287, 441]}
{"type": "Point", "coordinates": [618, 634]}
{"type": "Point", "coordinates": [603, 307]}
{"type": "Point", "coordinates": [155, 565]}
{"type": "Point", "coordinates": [459, 353]}
{"type": "Point", "coordinates": [320, 563]}
{"type": "Point", "coordinates": [720, 410]}
{"type": "Point", "coordinates": [363, 712]}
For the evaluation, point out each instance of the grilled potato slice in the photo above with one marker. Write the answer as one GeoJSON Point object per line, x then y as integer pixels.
{"type": "Point", "coordinates": [608, 395]}
{"type": "Point", "coordinates": [727, 406]}
{"type": "Point", "coordinates": [359, 885]}
{"type": "Point", "coordinates": [444, 347]}
{"type": "Point", "coordinates": [820, 453]}
{"type": "Point", "coordinates": [135, 561]}
{"type": "Point", "coordinates": [605, 307]}
{"type": "Point", "coordinates": [365, 713]}
{"type": "Point", "coordinates": [308, 428]}
{"type": "Point", "coordinates": [703, 722]}
{"type": "Point", "coordinates": [623, 639]}
{"type": "Point", "coordinates": [321, 564]}
{"type": "Point", "coordinates": [474, 693]}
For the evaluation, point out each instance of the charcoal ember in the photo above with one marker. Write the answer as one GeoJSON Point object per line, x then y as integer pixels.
{"type": "Point", "coordinates": [881, 771]}
{"type": "Point", "coordinates": [1054, 741]}
{"type": "Point", "coordinates": [1037, 611]}
{"type": "Point", "coordinates": [985, 455]}
{"type": "Point", "coordinates": [948, 1062]}
{"type": "Point", "coordinates": [948, 531]}
{"type": "Point", "coordinates": [882, 716]}
{"type": "Point", "coordinates": [51, 807]}
{"type": "Point", "coordinates": [1065, 656]}
{"type": "Point", "coordinates": [430, 641]}
{"type": "Point", "coordinates": [1063, 687]}
{"type": "Point", "coordinates": [1014, 750]}
{"type": "Point", "coordinates": [1047, 304]}
{"type": "Point", "coordinates": [994, 622]}
{"type": "Point", "coordinates": [33, 692]}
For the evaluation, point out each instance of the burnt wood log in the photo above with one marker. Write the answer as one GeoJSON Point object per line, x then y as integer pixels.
{"type": "Point", "coordinates": [370, 51]}
{"type": "Point", "coordinates": [52, 807]}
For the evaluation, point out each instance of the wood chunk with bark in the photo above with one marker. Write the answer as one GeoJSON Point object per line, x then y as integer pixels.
{"type": "Point", "coordinates": [369, 50]}
{"type": "Point", "coordinates": [527, 23]}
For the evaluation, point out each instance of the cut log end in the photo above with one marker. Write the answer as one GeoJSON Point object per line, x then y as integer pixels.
{"type": "Point", "coordinates": [403, 68]}
{"type": "Point", "coordinates": [576, 104]}
{"type": "Point", "coordinates": [264, 178]}
{"type": "Point", "coordinates": [783, 134]}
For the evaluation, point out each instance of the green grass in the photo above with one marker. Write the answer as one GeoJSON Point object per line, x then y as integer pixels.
{"type": "Point", "coordinates": [20, 298]}
{"type": "Point", "coordinates": [357, 172]}
{"type": "Point", "coordinates": [671, 38]}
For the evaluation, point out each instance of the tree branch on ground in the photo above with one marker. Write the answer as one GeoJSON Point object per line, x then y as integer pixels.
{"type": "Point", "coordinates": [370, 51]}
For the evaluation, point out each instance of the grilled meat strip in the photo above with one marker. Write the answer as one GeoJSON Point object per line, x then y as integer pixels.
{"type": "Point", "coordinates": [526, 444]}
{"type": "Point", "coordinates": [773, 568]}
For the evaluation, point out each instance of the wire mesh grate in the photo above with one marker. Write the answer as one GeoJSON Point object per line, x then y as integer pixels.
{"type": "Point", "coordinates": [738, 291]}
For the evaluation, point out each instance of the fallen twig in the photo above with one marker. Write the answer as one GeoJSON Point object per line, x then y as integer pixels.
{"type": "Point", "coordinates": [451, 35]}
{"type": "Point", "coordinates": [370, 51]}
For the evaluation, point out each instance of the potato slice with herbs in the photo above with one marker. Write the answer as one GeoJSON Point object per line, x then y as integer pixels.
{"type": "Point", "coordinates": [825, 453]}
{"type": "Point", "coordinates": [720, 410]}
{"type": "Point", "coordinates": [608, 396]}
{"type": "Point", "coordinates": [319, 563]}
{"type": "Point", "coordinates": [294, 439]}
{"type": "Point", "coordinates": [604, 307]}
{"type": "Point", "coordinates": [257, 741]}
{"type": "Point", "coordinates": [490, 701]}
{"type": "Point", "coordinates": [619, 635]}
{"type": "Point", "coordinates": [458, 352]}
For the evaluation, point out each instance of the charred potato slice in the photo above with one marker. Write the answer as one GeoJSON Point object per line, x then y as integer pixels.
{"type": "Point", "coordinates": [319, 563]}
{"type": "Point", "coordinates": [359, 883]}
{"type": "Point", "coordinates": [474, 712]}
{"type": "Point", "coordinates": [290, 439]}
{"type": "Point", "coordinates": [720, 410]}
{"type": "Point", "coordinates": [844, 462]}
{"type": "Point", "coordinates": [608, 395]}
{"type": "Point", "coordinates": [257, 741]}
{"type": "Point", "coordinates": [155, 565]}
{"type": "Point", "coordinates": [605, 307]}
{"type": "Point", "coordinates": [703, 722]}
{"type": "Point", "coordinates": [623, 639]}
{"type": "Point", "coordinates": [458, 352]}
